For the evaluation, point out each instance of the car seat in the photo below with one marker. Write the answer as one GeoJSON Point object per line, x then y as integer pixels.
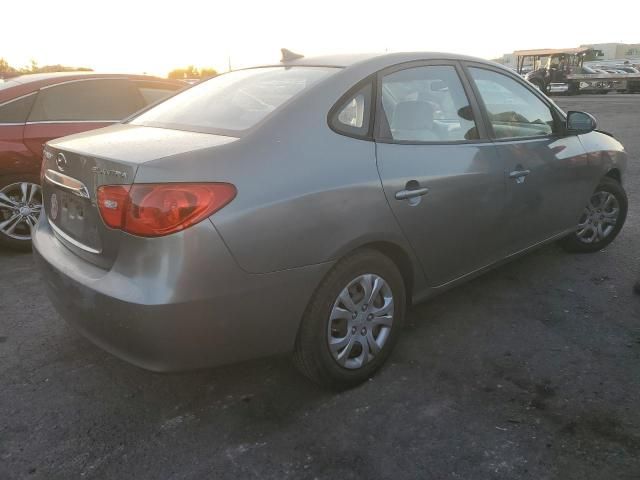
{"type": "Point", "coordinates": [413, 120]}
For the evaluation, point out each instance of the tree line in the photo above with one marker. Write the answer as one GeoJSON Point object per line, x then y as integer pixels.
{"type": "Point", "coordinates": [7, 71]}
{"type": "Point", "coordinates": [192, 72]}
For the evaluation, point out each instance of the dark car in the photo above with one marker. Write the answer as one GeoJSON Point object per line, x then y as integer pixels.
{"type": "Point", "coordinates": [37, 108]}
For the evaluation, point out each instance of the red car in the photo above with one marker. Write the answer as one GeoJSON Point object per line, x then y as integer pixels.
{"type": "Point", "coordinates": [40, 107]}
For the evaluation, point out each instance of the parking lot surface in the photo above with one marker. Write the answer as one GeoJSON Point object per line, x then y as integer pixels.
{"type": "Point", "coordinates": [530, 371]}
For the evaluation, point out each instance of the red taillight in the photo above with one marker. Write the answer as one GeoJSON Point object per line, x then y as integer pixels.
{"type": "Point", "coordinates": [112, 203]}
{"type": "Point", "coordinates": [153, 210]}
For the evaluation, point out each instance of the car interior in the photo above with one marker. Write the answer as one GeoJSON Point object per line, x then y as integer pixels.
{"type": "Point", "coordinates": [511, 111]}
{"type": "Point", "coordinates": [430, 108]}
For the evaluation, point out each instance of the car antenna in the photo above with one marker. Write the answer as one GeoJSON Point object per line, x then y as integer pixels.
{"type": "Point", "coordinates": [289, 56]}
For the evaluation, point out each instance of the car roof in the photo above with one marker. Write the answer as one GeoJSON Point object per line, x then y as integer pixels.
{"type": "Point", "coordinates": [26, 84]}
{"type": "Point", "coordinates": [380, 60]}
{"type": "Point", "coordinates": [54, 77]}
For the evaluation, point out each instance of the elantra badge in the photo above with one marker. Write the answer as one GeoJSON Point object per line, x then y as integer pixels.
{"type": "Point", "coordinates": [109, 172]}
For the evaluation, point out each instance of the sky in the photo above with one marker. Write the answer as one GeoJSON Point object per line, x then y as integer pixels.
{"type": "Point", "coordinates": [141, 36]}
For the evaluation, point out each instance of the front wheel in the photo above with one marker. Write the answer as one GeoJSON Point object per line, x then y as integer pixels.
{"type": "Point", "coordinates": [352, 321]}
{"type": "Point", "coordinates": [601, 220]}
{"type": "Point", "coordinates": [20, 206]}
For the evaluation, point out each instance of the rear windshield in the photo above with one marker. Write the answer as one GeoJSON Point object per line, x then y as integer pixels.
{"type": "Point", "coordinates": [233, 102]}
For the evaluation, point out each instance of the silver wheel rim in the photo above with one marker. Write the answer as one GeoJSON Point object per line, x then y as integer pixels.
{"type": "Point", "coordinates": [360, 321]}
{"type": "Point", "coordinates": [20, 207]}
{"type": "Point", "coordinates": [599, 218]}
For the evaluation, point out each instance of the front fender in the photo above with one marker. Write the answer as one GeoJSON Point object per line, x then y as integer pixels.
{"type": "Point", "coordinates": [604, 154]}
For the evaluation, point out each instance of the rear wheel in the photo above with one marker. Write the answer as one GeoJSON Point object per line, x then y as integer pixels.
{"type": "Point", "coordinates": [20, 206]}
{"type": "Point", "coordinates": [352, 322]}
{"type": "Point", "coordinates": [574, 88]}
{"type": "Point", "coordinates": [601, 220]}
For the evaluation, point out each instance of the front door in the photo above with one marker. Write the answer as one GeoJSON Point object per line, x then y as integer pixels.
{"type": "Point", "coordinates": [543, 169]}
{"type": "Point", "coordinates": [443, 180]}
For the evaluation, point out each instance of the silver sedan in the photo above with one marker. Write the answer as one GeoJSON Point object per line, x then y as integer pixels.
{"type": "Point", "coordinates": [302, 207]}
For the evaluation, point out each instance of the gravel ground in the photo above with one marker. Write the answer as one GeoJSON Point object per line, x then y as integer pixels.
{"type": "Point", "coordinates": [531, 371]}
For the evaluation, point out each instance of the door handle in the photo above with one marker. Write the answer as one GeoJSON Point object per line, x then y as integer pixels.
{"type": "Point", "coordinates": [519, 173]}
{"type": "Point", "coordinates": [407, 194]}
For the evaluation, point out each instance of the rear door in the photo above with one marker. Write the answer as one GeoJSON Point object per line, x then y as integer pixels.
{"type": "Point", "coordinates": [77, 106]}
{"type": "Point", "coordinates": [441, 176]}
{"type": "Point", "coordinates": [546, 172]}
{"type": "Point", "coordinates": [15, 158]}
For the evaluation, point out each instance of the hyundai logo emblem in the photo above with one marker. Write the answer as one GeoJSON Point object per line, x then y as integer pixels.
{"type": "Point", "coordinates": [61, 162]}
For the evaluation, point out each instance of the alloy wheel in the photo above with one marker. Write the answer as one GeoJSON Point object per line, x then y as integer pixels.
{"type": "Point", "coordinates": [360, 321]}
{"type": "Point", "coordinates": [20, 207]}
{"type": "Point", "coordinates": [599, 218]}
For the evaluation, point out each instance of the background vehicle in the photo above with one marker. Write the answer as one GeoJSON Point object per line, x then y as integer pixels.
{"type": "Point", "coordinates": [303, 206]}
{"type": "Point", "coordinates": [37, 108]}
{"type": "Point", "coordinates": [563, 71]}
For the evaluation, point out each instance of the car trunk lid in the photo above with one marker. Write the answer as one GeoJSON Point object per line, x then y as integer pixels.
{"type": "Point", "coordinates": [76, 166]}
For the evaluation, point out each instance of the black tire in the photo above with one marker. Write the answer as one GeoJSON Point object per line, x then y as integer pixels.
{"type": "Point", "coordinates": [23, 245]}
{"type": "Point", "coordinates": [312, 355]}
{"type": "Point", "coordinates": [573, 243]}
{"type": "Point", "coordinates": [574, 89]}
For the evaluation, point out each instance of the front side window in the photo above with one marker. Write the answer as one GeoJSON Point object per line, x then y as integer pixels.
{"type": "Point", "coordinates": [427, 104]}
{"type": "Point", "coordinates": [87, 100]}
{"type": "Point", "coordinates": [514, 111]}
{"type": "Point", "coordinates": [17, 111]}
{"type": "Point", "coordinates": [234, 101]}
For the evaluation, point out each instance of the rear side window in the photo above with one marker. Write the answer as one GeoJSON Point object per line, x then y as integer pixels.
{"type": "Point", "coordinates": [427, 104]}
{"type": "Point", "coordinates": [153, 92]}
{"type": "Point", "coordinates": [351, 116]}
{"type": "Point", "coordinates": [234, 101]}
{"type": "Point", "coordinates": [17, 111]}
{"type": "Point", "coordinates": [514, 111]}
{"type": "Point", "coordinates": [87, 100]}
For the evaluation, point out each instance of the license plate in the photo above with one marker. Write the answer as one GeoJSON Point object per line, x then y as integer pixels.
{"type": "Point", "coordinates": [70, 214]}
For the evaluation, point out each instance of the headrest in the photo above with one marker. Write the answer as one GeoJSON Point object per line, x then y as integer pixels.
{"type": "Point", "coordinates": [413, 115]}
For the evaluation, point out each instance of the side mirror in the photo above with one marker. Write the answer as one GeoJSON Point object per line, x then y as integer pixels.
{"type": "Point", "coordinates": [580, 122]}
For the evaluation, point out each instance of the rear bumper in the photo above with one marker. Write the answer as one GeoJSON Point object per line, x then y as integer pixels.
{"type": "Point", "coordinates": [176, 303]}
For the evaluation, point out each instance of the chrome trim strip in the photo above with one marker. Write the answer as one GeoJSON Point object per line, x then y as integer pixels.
{"type": "Point", "coordinates": [15, 99]}
{"type": "Point", "coordinates": [72, 241]}
{"type": "Point", "coordinates": [12, 124]}
{"type": "Point", "coordinates": [67, 183]}
{"type": "Point", "coordinates": [76, 80]}
{"type": "Point", "coordinates": [72, 121]}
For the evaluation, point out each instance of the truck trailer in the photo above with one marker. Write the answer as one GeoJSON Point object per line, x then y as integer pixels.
{"type": "Point", "coordinates": [562, 71]}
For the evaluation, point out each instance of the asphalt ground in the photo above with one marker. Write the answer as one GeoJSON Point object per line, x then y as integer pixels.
{"type": "Point", "coordinates": [531, 371]}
